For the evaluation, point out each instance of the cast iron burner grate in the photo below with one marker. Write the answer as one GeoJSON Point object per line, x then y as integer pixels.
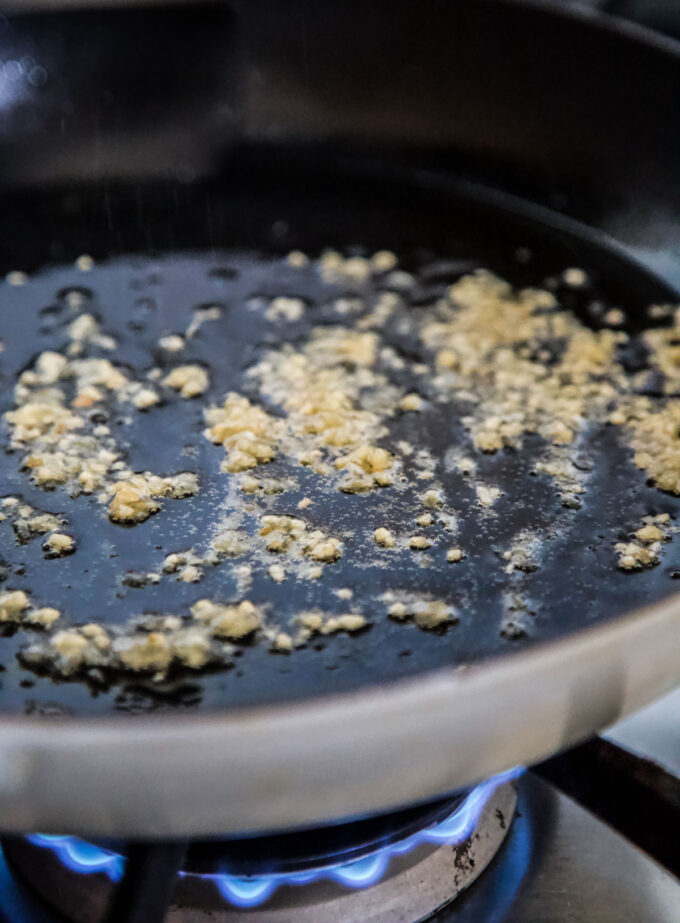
{"type": "Point", "coordinates": [405, 865]}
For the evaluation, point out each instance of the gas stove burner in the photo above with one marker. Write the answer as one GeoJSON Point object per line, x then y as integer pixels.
{"type": "Point", "coordinates": [403, 866]}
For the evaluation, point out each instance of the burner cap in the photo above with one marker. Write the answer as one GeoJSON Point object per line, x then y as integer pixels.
{"type": "Point", "coordinates": [405, 879]}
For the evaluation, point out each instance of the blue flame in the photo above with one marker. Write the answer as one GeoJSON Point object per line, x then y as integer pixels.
{"type": "Point", "coordinates": [81, 856]}
{"type": "Point", "coordinates": [85, 858]}
{"type": "Point", "coordinates": [362, 873]}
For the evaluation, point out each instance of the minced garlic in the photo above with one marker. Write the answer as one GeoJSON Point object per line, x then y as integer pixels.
{"type": "Point", "coordinates": [426, 613]}
{"type": "Point", "coordinates": [189, 380]}
{"type": "Point", "coordinates": [246, 431]}
{"type": "Point", "coordinates": [58, 544]}
{"type": "Point", "coordinates": [495, 367]}
{"type": "Point", "coordinates": [132, 501]}
{"type": "Point", "coordinates": [277, 573]}
{"type": "Point", "coordinates": [645, 547]}
{"type": "Point", "coordinates": [487, 496]}
{"type": "Point", "coordinates": [135, 499]}
{"type": "Point", "coordinates": [172, 343]}
{"type": "Point", "coordinates": [234, 621]}
{"type": "Point", "coordinates": [283, 643]}
{"type": "Point", "coordinates": [411, 402]}
{"type": "Point", "coordinates": [298, 259]}
{"type": "Point", "coordinates": [45, 616]}
{"type": "Point", "coordinates": [16, 278]}
{"type": "Point", "coordinates": [350, 622]}
{"type": "Point", "coordinates": [13, 604]}
{"type": "Point", "coordinates": [283, 308]}
{"type": "Point", "coordinates": [432, 499]}
{"type": "Point", "coordinates": [384, 537]}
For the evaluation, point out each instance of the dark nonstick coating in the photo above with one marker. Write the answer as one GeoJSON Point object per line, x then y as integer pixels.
{"type": "Point", "coordinates": [184, 246]}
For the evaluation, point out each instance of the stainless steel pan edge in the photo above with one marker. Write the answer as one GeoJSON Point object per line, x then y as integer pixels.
{"type": "Point", "coordinates": [270, 768]}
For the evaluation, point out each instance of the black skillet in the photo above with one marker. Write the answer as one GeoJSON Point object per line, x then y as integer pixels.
{"type": "Point", "coordinates": [167, 143]}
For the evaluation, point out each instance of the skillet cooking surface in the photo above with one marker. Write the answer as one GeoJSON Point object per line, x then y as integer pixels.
{"type": "Point", "coordinates": [163, 252]}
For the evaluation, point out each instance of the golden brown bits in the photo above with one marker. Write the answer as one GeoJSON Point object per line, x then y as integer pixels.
{"type": "Point", "coordinates": [135, 499]}
{"type": "Point", "coordinates": [132, 501]}
{"type": "Point", "coordinates": [487, 496]}
{"type": "Point", "coordinates": [277, 573]}
{"type": "Point", "coordinates": [614, 317]}
{"type": "Point", "coordinates": [85, 263]}
{"type": "Point", "coordinates": [384, 537]}
{"type": "Point", "coordinates": [233, 621]}
{"type": "Point", "coordinates": [283, 643]}
{"type": "Point", "coordinates": [246, 431]}
{"type": "Point", "coordinates": [189, 380]}
{"type": "Point", "coordinates": [145, 398]}
{"type": "Point", "coordinates": [350, 622]}
{"type": "Point", "coordinates": [426, 613]}
{"type": "Point", "coordinates": [446, 360]}
{"type": "Point", "coordinates": [150, 652]}
{"type": "Point", "coordinates": [383, 261]}
{"type": "Point", "coordinates": [70, 647]}
{"type": "Point", "coordinates": [644, 550]}
{"type": "Point", "coordinates": [191, 647]}
{"type": "Point", "coordinates": [558, 433]}
{"type": "Point", "coordinates": [281, 531]}
{"type": "Point", "coordinates": [287, 309]}
{"type": "Point", "coordinates": [366, 466]}
{"type": "Point", "coordinates": [311, 620]}
{"type": "Point", "coordinates": [654, 437]}
{"type": "Point", "coordinates": [13, 603]}
{"type": "Point", "coordinates": [286, 533]}
{"type": "Point", "coordinates": [649, 534]}
{"type": "Point", "coordinates": [229, 542]}
{"type": "Point", "coordinates": [336, 268]}
{"type": "Point", "coordinates": [488, 440]}
{"type": "Point", "coordinates": [59, 544]}
{"type": "Point", "coordinates": [97, 635]}
{"type": "Point", "coordinates": [43, 522]}
{"type": "Point", "coordinates": [297, 258]}
{"type": "Point", "coordinates": [633, 556]}
{"type": "Point", "coordinates": [432, 499]}
{"type": "Point", "coordinates": [49, 366]}
{"type": "Point", "coordinates": [172, 343]}
{"type": "Point", "coordinates": [575, 278]}
{"type": "Point", "coordinates": [411, 402]}
{"type": "Point", "coordinates": [190, 574]}
{"type": "Point", "coordinates": [16, 278]}
{"type": "Point", "coordinates": [326, 550]}
{"type": "Point", "coordinates": [86, 397]}
{"type": "Point", "coordinates": [44, 617]}
{"type": "Point", "coordinates": [39, 418]}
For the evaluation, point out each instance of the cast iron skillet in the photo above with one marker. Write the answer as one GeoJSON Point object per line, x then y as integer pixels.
{"type": "Point", "coordinates": [469, 129]}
